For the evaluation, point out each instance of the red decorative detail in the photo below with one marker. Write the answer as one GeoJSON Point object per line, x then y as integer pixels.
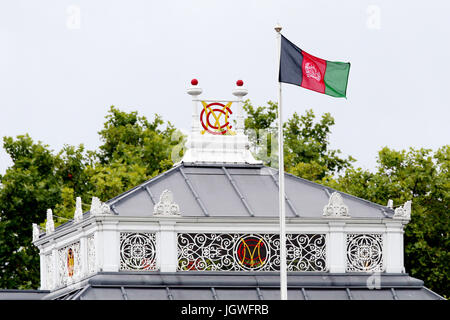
{"type": "Point", "coordinates": [313, 70]}
{"type": "Point", "coordinates": [252, 252]}
{"type": "Point", "coordinates": [219, 130]}
{"type": "Point", "coordinates": [193, 264]}
{"type": "Point", "coordinates": [70, 262]}
{"type": "Point", "coordinates": [194, 82]}
{"type": "Point", "coordinates": [239, 83]}
{"type": "Point", "coordinates": [69, 176]}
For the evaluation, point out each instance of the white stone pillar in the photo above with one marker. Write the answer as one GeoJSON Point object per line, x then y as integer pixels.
{"type": "Point", "coordinates": [42, 269]}
{"type": "Point", "coordinates": [394, 247]}
{"type": "Point", "coordinates": [336, 247]}
{"type": "Point", "coordinates": [195, 91]}
{"type": "Point", "coordinates": [83, 257]}
{"type": "Point", "coordinates": [240, 92]}
{"type": "Point", "coordinates": [55, 268]}
{"type": "Point", "coordinates": [109, 252]}
{"type": "Point", "coordinates": [168, 258]}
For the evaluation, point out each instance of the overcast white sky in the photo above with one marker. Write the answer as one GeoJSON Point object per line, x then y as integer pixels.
{"type": "Point", "coordinates": [63, 63]}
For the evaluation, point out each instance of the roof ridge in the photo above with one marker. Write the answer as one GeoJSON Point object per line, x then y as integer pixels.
{"type": "Point", "coordinates": [318, 185]}
{"type": "Point", "coordinates": [142, 185]}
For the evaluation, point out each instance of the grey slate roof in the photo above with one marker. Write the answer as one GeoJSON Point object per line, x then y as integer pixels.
{"type": "Point", "coordinates": [243, 286]}
{"type": "Point", "coordinates": [237, 191]}
{"type": "Point", "coordinates": [11, 294]}
{"type": "Point", "coordinates": [232, 286]}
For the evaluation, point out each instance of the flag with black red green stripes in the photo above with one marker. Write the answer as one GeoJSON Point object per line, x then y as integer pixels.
{"type": "Point", "coordinates": [302, 69]}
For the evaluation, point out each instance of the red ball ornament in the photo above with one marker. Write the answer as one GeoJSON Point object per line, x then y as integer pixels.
{"type": "Point", "coordinates": [69, 176]}
{"type": "Point", "coordinates": [194, 82]}
{"type": "Point", "coordinates": [239, 83]}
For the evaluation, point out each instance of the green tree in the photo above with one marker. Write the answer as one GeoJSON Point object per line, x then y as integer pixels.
{"type": "Point", "coordinates": [132, 151]}
{"type": "Point", "coordinates": [307, 150]}
{"type": "Point", "coordinates": [307, 147]}
{"type": "Point", "coordinates": [261, 129]}
{"type": "Point", "coordinates": [424, 178]}
{"type": "Point", "coordinates": [131, 139]}
{"type": "Point", "coordinates": [28, 188]}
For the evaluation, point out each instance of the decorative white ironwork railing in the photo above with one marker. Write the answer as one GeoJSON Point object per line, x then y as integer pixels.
{"type": "Point", "coordinates": [364, 252]}
{"type": "Point", "coordinates": [249, 252]}
{"type": "Point", "coordinates": [137, 251]}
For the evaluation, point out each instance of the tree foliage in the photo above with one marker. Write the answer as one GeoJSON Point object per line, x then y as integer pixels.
{"type": "Point", "coordinates": [307, 150]}
{"type": "Point", "coordinates": [28, 188]}
{"type": "Point", "coordinates": [423, 177]}
{"type": "Point", "coordinates": [132, 150]}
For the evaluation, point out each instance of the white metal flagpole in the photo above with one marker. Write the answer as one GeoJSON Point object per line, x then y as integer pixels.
{"type": "Point", "coordinates": [283, 267]}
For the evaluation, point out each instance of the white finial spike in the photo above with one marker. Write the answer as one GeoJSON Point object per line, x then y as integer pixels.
{"type": "Point", "coordinates": [390, 204]}
{"type": "Point", "coordinates": [78, 215]}
{"type": "Point", "coordinates": [50, 225]}
{"type": "Point", "coordinates": [36, 232]}
{"type": "Point", "coordinates": [95, 206]}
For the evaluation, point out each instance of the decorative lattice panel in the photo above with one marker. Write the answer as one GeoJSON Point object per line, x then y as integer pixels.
{"type": "Point", "coordinates": [68, 264]}
{"type": "Point", "coordinates": [249, 252]}
{"type": "Point", "coordinates": [49, 270]}
{"type": "Point", "coordinates": [305, 252]}
{"type": "Point", "coordinates": [137, 251]}
{"type": "Point", "coordinates": [364, 252]}
{"type": "Point", "coordinates": [91, 254]}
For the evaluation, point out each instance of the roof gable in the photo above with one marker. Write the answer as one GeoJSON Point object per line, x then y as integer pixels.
{"type": "Point", "coordinates": [236, 191]}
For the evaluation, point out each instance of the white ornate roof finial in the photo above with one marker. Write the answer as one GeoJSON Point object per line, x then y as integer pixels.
{"type": "Point", "coordinates": [390, 204]}
{"type": "Point", "coordinates": [194, 92]}
{"type": "Point", "coordinates": [105, 209]}
{"type": "Point", "coordinates": [166, 206]}
{"type": "Point", "coordinates": [239, 91]}
{"type": "Point", "coordinates": [78, 215]}
{"type": "Point", "coordinates": [404, 212]}
{"type": "Point", "coordinates": [36, 232]}
{"type": "Point", "coordinates": [336, 207]}
{"type": "Point", "coordinates": [49, 225]}
{"type": "Point", "coordinates": [99, 208]}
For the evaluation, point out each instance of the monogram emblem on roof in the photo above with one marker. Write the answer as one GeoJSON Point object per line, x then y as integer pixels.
{"type": "Point", "coordinates": [219, 126]}
{"type": "Point", "coordinates": [251, 252]}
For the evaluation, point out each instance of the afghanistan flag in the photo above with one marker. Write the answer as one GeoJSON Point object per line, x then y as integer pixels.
{"type": "Point", "coordinates": [302, 69]}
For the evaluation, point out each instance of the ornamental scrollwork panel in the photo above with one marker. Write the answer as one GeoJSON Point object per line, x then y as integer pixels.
{"type": "Point", "coordinates": [306, 252]}
{"type": "Point", "coordinates": [249, 252]}
{"type": "Point", "coordinates": [364, 252]}
{"type": "Point", "coordinates": [68, 264]}
{"type": "Point", "coordinates": [138, 251]}
{"type": "Point", "coordinates": [49, 269]}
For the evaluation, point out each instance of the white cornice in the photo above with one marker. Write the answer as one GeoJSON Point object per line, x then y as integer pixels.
{"type": "Point", "coordinates": [225, 223]}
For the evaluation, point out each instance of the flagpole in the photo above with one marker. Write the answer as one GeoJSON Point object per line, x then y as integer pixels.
{"type": "Point", "coordinates": [283, 267]}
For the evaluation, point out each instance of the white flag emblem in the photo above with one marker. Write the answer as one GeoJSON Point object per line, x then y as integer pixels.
{"type": "Point", "coordinates": [312, 72]}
